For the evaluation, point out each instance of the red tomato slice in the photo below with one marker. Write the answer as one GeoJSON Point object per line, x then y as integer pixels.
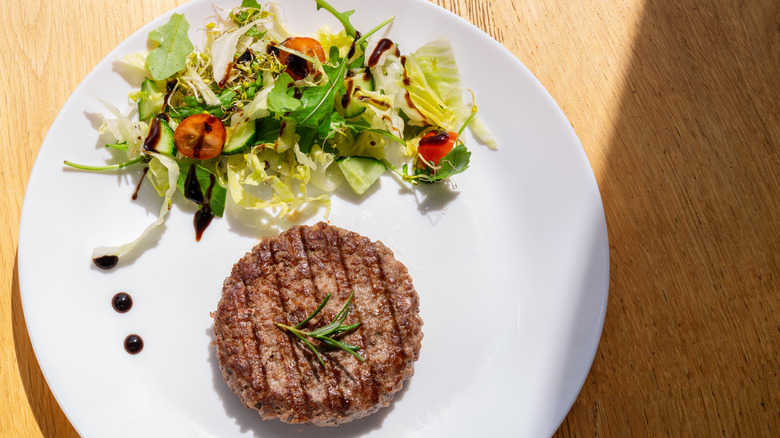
{"type": "Point", "coordinates": [436, 144]}
{"type": "Point", "coordinates": [200, 136]}
{"type": "Point", "coordinates": [298, 67]}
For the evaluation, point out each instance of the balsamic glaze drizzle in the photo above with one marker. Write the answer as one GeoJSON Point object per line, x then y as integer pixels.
{"type": "Point", "coordinates": [194, 192]}
{"type": "Point", "coordinates": [106, 262]}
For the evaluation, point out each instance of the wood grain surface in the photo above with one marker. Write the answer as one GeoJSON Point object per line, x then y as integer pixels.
{"type": "Point", "coordinates": [677, 105]}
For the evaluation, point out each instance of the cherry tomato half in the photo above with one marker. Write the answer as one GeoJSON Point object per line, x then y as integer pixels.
{"type": "Point", "coordinates": [298, 67]}
{"type": "Point", "coordinates": [436, 144]}
{"type": "Point", "coordinates": [200, 136]}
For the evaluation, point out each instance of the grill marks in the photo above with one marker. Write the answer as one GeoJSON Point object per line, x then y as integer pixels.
{"type": "Point", "coordinates": [319, 382]}
{"type": "Point", "coordinates": [322, 273]}
{"type": "Point", "coordinates": [379, 327]}
{"type": "Point", "coordinates": [284, 279]}
{"type": "Point", "coordinates": [332, 277]}
{"type": "Point", "coordinates": [293, 295]}
{"type": "Point", "coordinates": [242, 354]}
{"type": "Point", "coordinates": [277, 352]}
{"type": "Point", "coordinates": [403, 298]}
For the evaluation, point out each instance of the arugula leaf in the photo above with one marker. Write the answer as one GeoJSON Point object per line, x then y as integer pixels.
{"type": "Point", "coordinates": [317, 102]}
{"type": "Point", "coordinates": [360, 125]}
{"type": "Point", "coordinates": [308, 137]}
{"type": "Point", "coordinates": [170, 56]}
{"type": "Point", "coordinates": [329, 127]}
{"type": "Point", "coordinates": [358, 63]}
{"type": "Point", "coordinates": [191, 106]}
{"type": "Point", "coordinates": [315, 106]}
{"type": "Point", "coordinates": [337, 123]}
{"type": "Point", "coordinates": [343, 17]}
{"type": "Point", "coordinates": [280, 99]}
{"type": "Point", "coordinates": [268, 130]}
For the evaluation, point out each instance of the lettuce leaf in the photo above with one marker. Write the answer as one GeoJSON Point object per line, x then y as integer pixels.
{"type": "Point", "coordinates": [437, 62]}
{"type": "Point", "coordinates": [170, 188]}
{"type": "Point", "coordinates": [425, 99]}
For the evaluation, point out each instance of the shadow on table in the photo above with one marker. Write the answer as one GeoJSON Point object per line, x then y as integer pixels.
{"type": "Point", "coordinates": [690, 189]}
{"type": "Point", "coordinates": [43, 405]}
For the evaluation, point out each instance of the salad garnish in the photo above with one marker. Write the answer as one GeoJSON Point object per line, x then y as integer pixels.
{"type": "Point", "coordinates": [264, 119]}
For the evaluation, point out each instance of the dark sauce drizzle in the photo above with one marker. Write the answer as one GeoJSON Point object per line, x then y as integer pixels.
{"type": "Point", "coordinates": [106, 261]}
{"type": "Point", "coordinates": [202, 137]}
{"type": "Point", "coordinates": [351, 52]}
{"type": "Point", "coordinates": [122, 302]}
{"type": "Point", "coordinates": [194, 192]}
{"type": "Point", "coordinates": [153, 137]}
{"type": "Point", "coordinates": [440, 138]}
{"type": "Point", "coordinates": [224, 80]}
{"type": "Point", "coordinates": [246, 57]}
{"type": "Point", "coordinates": [138, 187]}
{"type": "Point", "coordinates": [134, 344]}
{"type": "Point", "coordinates": [406, 79]}
{"type": "Point", "coordinates": [192, 189]}
{"type": "Point", "coordinates": [170, 86]}
{"type": "Point", "coordinates": [272, 49]}
{"type": "Point", "coordinates": [349, 90]}
{"type": "Point", "coordinates": [382, 46]}
{"type": "Point", "coordinates": [298, 66]}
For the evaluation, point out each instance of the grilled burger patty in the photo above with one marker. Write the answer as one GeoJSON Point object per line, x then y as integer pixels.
{"type": "Point", "coordinates": [283, 279]}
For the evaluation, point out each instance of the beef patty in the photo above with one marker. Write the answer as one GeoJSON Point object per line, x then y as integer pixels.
{"type": "Point", "coordinates": [283, 279]}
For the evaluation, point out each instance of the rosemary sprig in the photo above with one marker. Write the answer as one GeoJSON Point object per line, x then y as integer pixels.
{"type": "Point", "coordinates": [325, 334]}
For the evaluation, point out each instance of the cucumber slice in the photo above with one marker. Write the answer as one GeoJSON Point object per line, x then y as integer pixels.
{"type": "Point", "coordinates": [240, 137]}
{"type": "Point", "coordinates": [151, 100]}
{"type": "Point", "coordinates": [361, 172]}
{"type": "Point", "coordinates": [160, 137]}
{"type": "Point", "coordinates": [359, 79]}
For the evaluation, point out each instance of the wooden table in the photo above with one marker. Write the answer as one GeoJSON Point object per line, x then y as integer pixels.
{"type": "Point", "coordinates": [677, 105]}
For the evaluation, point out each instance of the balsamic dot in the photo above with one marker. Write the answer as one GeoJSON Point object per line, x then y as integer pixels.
{"type": "Point", "coordinates": [134, 344]}
{"type": "Point", "coordinates": [106, 262]}
{"type": "Point", "coordinates": [122, 302]}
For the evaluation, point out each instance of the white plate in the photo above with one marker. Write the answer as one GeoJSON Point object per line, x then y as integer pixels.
{"type": "Point", "coordinates": [512, 269]}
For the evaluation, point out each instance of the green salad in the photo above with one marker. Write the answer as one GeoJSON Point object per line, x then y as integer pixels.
{"type": "Point", "coordinates": [270, 120]}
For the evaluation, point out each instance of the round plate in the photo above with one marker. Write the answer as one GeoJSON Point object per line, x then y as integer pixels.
{"type": "Point", "coordinates": [511, 265]}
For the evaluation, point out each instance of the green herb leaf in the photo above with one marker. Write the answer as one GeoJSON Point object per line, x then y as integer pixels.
{"type": "Point", "coordinates": [308, 137]}
{"type": "Point", "coordinates": [250, 4]}
{"type": "Point", "coordinates": [191, 106]}
{"type": "Point", "coordinates": [329, 128]}
{"type": "Point", "coordinates": [280, 99]}
{"type": "Point", "coordinates": [455, 162]}
{"type": "Point", "coordinates": [323, 334]}
{"type": "Point", "coordinates": [226, 97]}
{"type": "Point", "coordinates": [268, 130]}
{"type": "Point", "coordinates": [316, 103]}
{"type": "Point", "coordinates": [170, 56]}
{"type": "Point", "coordinates": [343, 17]}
